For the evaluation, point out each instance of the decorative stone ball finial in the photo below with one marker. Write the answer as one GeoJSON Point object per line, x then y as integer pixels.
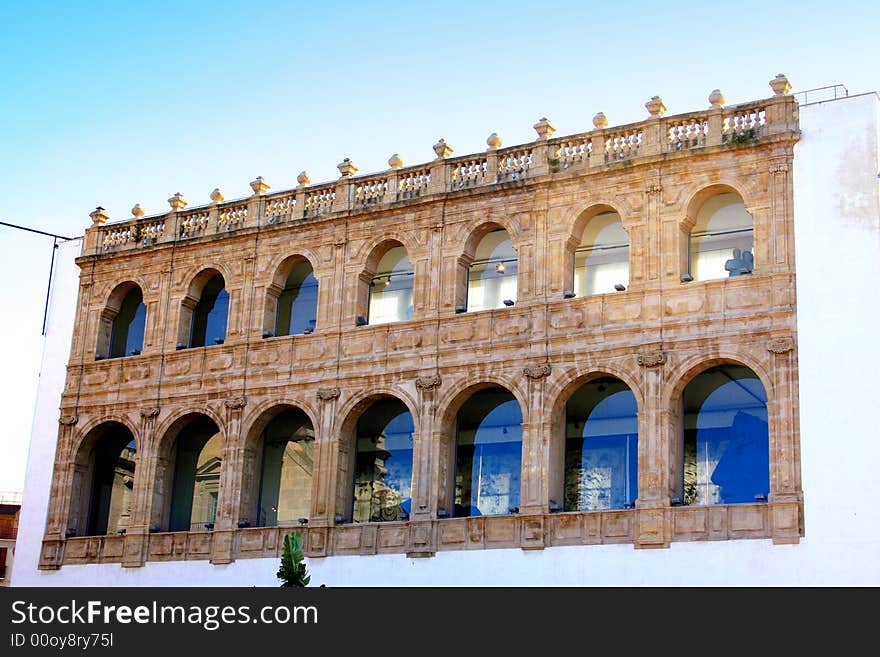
{"type": "Point", "coordinates": [177, 202]}
{"type": "Point", "coordinates": [493, 141]}
{"type": "Point", "coordinates": [346, 168]}
{"type": "Point", "coordinates": [716, 98]}
{"type": "Point", "coordinates": [442, 149]}
{"type": "Point", "coordinates": [217, 195]}
{"type": "Point", "coordinates": [259, 186]}
{"type": "Point", "coordinates": [137, 211]}
{"type": "Point", "coordinates": [780, 85]}
{"type": "Point", "coordinates": [99, 216]}
{"type": "Point", "coordinates": [600, 121]}
{"type": "Point", "coordinates": [544, 128]}
{"type": "Point", "coordinates": [655, 106]}
{"type": "Point", "coordinates": [303, 179]}
{"type": "Point", "coordinates": [395, 162]}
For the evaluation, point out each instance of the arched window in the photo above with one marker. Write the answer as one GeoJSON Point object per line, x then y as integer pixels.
{"type": "Point", "coordinates": [488, 454]}
{"type": "Point", "coordinates": [726, 438]}
{"type": "Point", "coordinates": [127, 332]}
{"type": "Point", "coordinates": [722, 239]}
{"type": "Point", "coordinates": [601, 447]}
{"type": "Point", "coordinates": [493, 274]}
{"type": "Point", "coordinates": [209, 314]}
{"type": "Point", "coordinates": [198, 457]}
{"type": "Point", "coordinates": [601, 260]}
{"type": "Point", "coordinates": [391, 289]}
{"type": "Point", "coordinates": [297, 306]}
{"type": "Point", "coordinates": [286, 473]}
{"type": "Point", "coordinates": [103, 481]}
{"type": "Point", "coordinates": [383, 462]}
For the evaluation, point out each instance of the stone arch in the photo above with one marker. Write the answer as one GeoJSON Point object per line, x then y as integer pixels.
{"type": "Point", "coordinates": [578, 223]}
{"type": "Point", "coordinates": [252, 454]}
{"type": "Point", "coordinates": [192, 297]}
{"type": "Point", "coordinates": [110, 310]}
{"type": "Point", "coordinates": [558, 396]}
{"type": "Point", "coordinates": [166, 454]}
{"type": "Point", "coordinates": [370, 256]}
{"type": "Point", "coordinates": [102, 470]}
{"type": "Point", "coordinates": [671, 401]}
{"type": "Point", "coordinates": [281, 269]}
{"type": "Point", "coordinates": [448, 407]}
{"type": "Point", "coordinates": [348, 415]}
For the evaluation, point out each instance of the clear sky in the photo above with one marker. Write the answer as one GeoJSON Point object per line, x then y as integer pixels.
{"type": "Point", "coordinates": [113, 103]}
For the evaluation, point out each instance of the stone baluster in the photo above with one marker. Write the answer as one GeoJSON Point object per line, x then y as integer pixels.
{"type": "Point", "coordinates": [344, 186]}
{"type": "Point", "coordinates": [598, 138]}
{"type": "Point", "coordinates": [440, 169]}
{"type": "Point", "coordinates": [396, 163]}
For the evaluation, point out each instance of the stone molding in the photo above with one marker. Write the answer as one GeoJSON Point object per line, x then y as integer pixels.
{"type": "Point", "coordinates": [652, 358]}
{"type": "Point", "coordinates": [428, 382]}
{"type": "Point", "coordinates": [326, 394]}
{"type": "Point", "coordinates": [780, 345]}
{"type": "Point", "coordinates": [537, 371]}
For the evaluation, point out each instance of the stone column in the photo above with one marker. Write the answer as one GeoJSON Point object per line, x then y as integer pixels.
{"type": "Point", "coordinates": [135, 546]}
{"type": "Point", "coordinates": [653, 527]}
{"type": "Point", "coordinates": [424, 500]}
{"type": "Point", "coordinates": [537, 429]}
{"type": "Point", "coordinates": [52, 551]}
{"type": "Point", "coordinates": [785, 477]}
{"type": "Point", "coordinates": [229, 499]}
{"type": "Point", "coordinates": [646, 244]}
{"type": "Point", "coordinates": [325, 474]}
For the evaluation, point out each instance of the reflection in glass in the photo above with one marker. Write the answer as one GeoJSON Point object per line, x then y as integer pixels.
{"type": "Point", "coordinates": [601, 261]}
{"type": "Point", "coordinates": [601, 447]}
{"type": "Point", "coordinates": [127, 330]}
{"type": "Point", "coordinates": [391, 290]}
{"type": "Point", "coordinates": [722, 240]}
{"type": "Point", "coordinates": [383, 462]}
{"type": "Point", "coordinates": [209, 316]}
{"type": "Point", "coordinates": [112, 482]}
{"type": "Point", "coordinates": [492, 276]}
{"type": "Point", "coordinates": [298, 302]}
{"type": "Point", "coordinates": [286, 480]}
{"type": "Point", "coordinates": [196, 483]}
{"type": "Point", "coordinates": [488, 454]}
{"type": "Point", "coordinates": [726, 437]}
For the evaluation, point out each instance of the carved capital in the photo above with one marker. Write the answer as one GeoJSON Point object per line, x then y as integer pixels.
{"type": "Point", "coordinates": [428, 382]}
{"type": "Point", "coordinates": [68, 419]}
{"type": "Point", "coordinates": [780, 345]}
{"type": "Point", "coordinates": [779, 168]}
{"type": "Point", "coordinates": [339, 243]}
{"type": "Point", "coordinates": [235, 403]}
{"type": "Point", "coordinates": [537, 371]}
{"type": "Point", "coordinates": [326, 394]}
{"type": "Point", "coordinates": [653, 189]}
{"type": "Point", "coordinates": [652, 358]}
{"type": "Point", "coordinates": [149, 412]}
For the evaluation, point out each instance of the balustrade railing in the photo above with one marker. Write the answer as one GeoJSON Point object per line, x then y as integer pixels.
{"type": "Point", "coordinates": [730, 125]}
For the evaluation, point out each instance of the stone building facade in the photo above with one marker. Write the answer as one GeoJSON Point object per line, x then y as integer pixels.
{"type": "Point", "coordinates": [656, 333]}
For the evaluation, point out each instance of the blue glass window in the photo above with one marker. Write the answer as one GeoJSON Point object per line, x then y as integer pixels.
{"type": "Point", "coordinates": [488, 455]}
{"type": "Point", "coordinates": [286, 480]}
{"type": "Point", "coordinates": [726, 437]}
{"type": "Point", "coordinates": [113, 463]}
{"type": "Point", "coordinates": [127, 330]}
{"type": "Point", "coordinates": [601, 447]}
{"type": "Point", "coordinates": [383, 463]}
{"type": "Point", "coordinates": [298, 303]}
{"type": "Point", "coordinates": [196, 483]}
{"type": "Point", "coordinates": [209, 316]}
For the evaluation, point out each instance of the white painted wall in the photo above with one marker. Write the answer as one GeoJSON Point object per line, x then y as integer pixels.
{"type": "Point", "coordinates": [837, 226]}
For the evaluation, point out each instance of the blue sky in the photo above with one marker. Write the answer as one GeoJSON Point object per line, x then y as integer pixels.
{"type": "Point", "coordinates": [117, 103]}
